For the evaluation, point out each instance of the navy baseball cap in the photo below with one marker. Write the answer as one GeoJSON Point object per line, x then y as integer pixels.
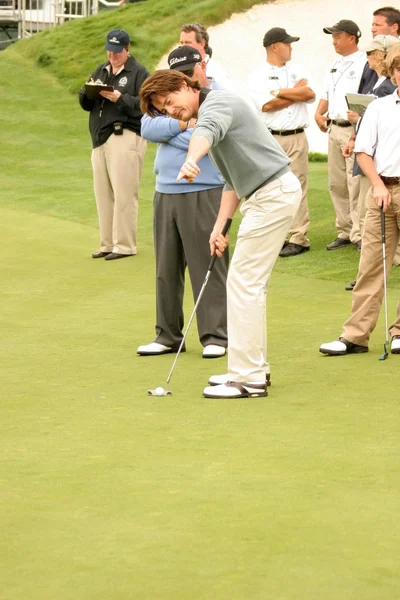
{"type": "Point", "coordinates": [117, 40]}
{"type": "Point", "coordinates": [184, 58]}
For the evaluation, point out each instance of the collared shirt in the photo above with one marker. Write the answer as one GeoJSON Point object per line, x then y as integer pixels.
{"type": "Point", "coordinates": [343, 77]}
{"type": "Point", "coordinates": [379, 134]}
{"type": "Point", "coordinates": [267, 78]}
{"type": "Point", "coordinates": [218, 73]}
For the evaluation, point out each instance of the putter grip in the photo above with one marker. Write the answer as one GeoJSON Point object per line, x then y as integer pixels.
{"type": "Point", "coordinates": [383, 227]}
{"type": "Point", "coordinates": [224, 232]}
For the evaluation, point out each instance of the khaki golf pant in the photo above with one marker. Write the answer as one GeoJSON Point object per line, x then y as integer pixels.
{"type": "Point", "coordinates": [117, 168]}
{"type": "Point", "coordinates": [343, 187]}
{"type": "Point", "coordinates": [368, 292]}
{"type": "Point", "coordinates": [365, 186]}
{"type": "Point", "coordinates": [296, 147]}
{"type": "Point", "coordinates": [267, 215]}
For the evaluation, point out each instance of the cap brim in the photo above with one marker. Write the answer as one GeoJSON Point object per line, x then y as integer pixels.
{"type": "Point", "coordinates": [290, 39]}
{"type": "Point", "coordinates": [186, 67]}
{"type": "Point", "coordinates": [114, 47]}
{"type": "Point", "coordinates": [332, 30]}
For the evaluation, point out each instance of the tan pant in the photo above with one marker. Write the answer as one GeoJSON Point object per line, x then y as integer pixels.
{"type": "Point", "coordinates": [365, 186]}
{"type": "Point", "coordinates": [267, 215]}
{"type": "Point", "coordinates": [368, 292]}
{"type": "Point", "coordinates": [117, 167]}
{"type": "Point", "coordinates": [296, 147]}
{"type": "Point", "coordinates": [343, 187]}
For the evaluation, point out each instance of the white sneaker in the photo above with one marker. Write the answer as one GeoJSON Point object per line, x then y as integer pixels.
{"type": "Point", "coordinates": [236, 389]}
{"type": "Point", "coordinates": [222, 379]}
{"type": "Point", "coordinates": [213, 351]}
{"type": "Point", "coordinates": [395, 346]}
{"type": "Point", "coordinates": [153, 349]}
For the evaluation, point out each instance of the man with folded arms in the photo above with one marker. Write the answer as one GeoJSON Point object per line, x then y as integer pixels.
{"type": "Point", "coordinates": [255, 168]}
{"type": "Point", "coordinates": [279, 90]}
{"type": "Point", "coordinates": [343, 77]}
{"type": "Point", "coordinates": [377, 149]}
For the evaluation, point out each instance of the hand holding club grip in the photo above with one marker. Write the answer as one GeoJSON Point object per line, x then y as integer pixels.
{"type": "Point", "coordinates": [223, 232]}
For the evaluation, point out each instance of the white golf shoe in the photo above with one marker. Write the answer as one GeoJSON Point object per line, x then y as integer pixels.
{"type": "Point", "coordinates": [395, 346]}
{"type": "Point", "coordinates": [340, 347]}
{"type": "Point", "coordinates": [154, 349]}
{"type": "Point", "coordinates": [236, 389]}
{"type": "Point", "coordinates": [213, 351]}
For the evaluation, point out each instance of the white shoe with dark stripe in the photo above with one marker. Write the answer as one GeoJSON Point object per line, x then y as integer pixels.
{"type": "Point", "coordinates": [236, 389]}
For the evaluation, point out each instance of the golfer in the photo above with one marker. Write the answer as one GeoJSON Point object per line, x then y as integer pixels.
{"type": "Point", "coordinates": [377, 148]}
{"type": "Point", "coordinates": [254, 168]}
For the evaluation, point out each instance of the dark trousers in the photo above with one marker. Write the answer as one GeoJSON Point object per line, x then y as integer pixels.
{"type": "Point", "coordinates": [182, 227]}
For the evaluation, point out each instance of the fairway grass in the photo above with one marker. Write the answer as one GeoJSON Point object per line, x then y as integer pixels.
{"type": "Point", "coordinates": [108, 493]}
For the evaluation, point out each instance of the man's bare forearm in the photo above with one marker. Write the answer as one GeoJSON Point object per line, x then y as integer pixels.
{"type": "Point", "coordinates": [367, 165]}
{"type": "Point", "coordinates": [276, 104]}
{"type": "Point", "coordinates": [299, 94]}
{"type": "Point", "coordinates": [198, 147]}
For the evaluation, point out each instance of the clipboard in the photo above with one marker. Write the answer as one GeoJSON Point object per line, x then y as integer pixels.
{"type": "Point", "coordinates": [92, 90]}
{"type": "Point", "coordinates": [359, 102]}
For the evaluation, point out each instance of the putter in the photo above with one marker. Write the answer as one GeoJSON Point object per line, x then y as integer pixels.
{"type": "Point", "coordinates": [203, 287]}
{"type": "Point", "coordinates": [383, 233]}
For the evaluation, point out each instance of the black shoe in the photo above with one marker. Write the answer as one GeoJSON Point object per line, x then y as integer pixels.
{"type": "Point", "coordinates": [358, 245]}
{"type": "Point", "coordinates": [338, 243]}
{"type": "Point", "coordinates": [114, 256]}
{"type": "Point", "coordinates": [350, 287]}
{"type": "Point", "coordinates": [291, 249]}
{"type": "Point", "coordinates": [100, 254]}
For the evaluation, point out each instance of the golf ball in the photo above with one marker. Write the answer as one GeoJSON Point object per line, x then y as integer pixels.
{"type": "Point", "coordinates": [159, 391]}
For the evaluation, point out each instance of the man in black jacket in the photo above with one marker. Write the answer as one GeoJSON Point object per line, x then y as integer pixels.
{"type": "Point", "coordinates": [118, 149]}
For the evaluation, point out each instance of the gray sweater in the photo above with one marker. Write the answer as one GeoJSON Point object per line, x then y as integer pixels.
{"type": "Point", "coordinates": [242, 148]}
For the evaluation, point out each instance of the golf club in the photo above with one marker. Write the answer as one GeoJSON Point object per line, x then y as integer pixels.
{"type": "Point", "coordinates": [203, 287]}
{"type": "Point", "coordinates": [383, 233]}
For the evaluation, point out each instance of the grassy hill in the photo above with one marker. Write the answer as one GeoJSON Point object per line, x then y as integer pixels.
{"type": "Point", "coordinates": [70, 52]}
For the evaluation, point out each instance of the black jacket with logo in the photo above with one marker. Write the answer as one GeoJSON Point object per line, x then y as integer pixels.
{"type": "Point", "coordinates": [103, 113]}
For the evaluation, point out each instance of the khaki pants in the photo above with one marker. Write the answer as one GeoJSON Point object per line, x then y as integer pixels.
{"type": "Point", "coordinates": [267, 215]}
{"type": "Point", "coordinates": [368, 292]}
{"type": "Point", "coordinates": [343, 187]}
{"type": "Point", "coordinates": [365, 186]}
{"type": "Point", "coordinates": [296, 147]}
{"type": "Point", "coordinates": [117, 167]}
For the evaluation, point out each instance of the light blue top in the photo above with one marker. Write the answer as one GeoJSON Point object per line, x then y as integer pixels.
{"type": "Point", "coordinates": [171, 154]}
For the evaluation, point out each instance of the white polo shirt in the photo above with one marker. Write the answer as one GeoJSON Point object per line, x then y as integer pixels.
{"type": "Point", "coordinates": [379, 134]}
{"type": "Point", "coordinates": [343, 77]}
{"type": "Point", "coordinates": [267, 78]}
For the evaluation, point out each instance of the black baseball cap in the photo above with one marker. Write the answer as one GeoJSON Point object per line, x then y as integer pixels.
{"type": "Point", "coordinates": [346, 26]}
{"type": "Point", "coordinates": [277, 34]}
{"type": "Point", "coordinates": [117, 40]}
{"type": "Point", "coordinates": [184, 58]}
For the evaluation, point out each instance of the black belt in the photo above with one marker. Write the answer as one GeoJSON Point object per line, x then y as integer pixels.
{"type": "Point", "coordinates": [390, 180]}
{"type": "Point", "coordinates": [341, 123]}
{"type": "Point", "coordinates": [287, 131]}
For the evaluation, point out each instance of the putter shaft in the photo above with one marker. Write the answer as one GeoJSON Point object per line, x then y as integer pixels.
{"type": "Point", "coordinates": [203, 287]}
